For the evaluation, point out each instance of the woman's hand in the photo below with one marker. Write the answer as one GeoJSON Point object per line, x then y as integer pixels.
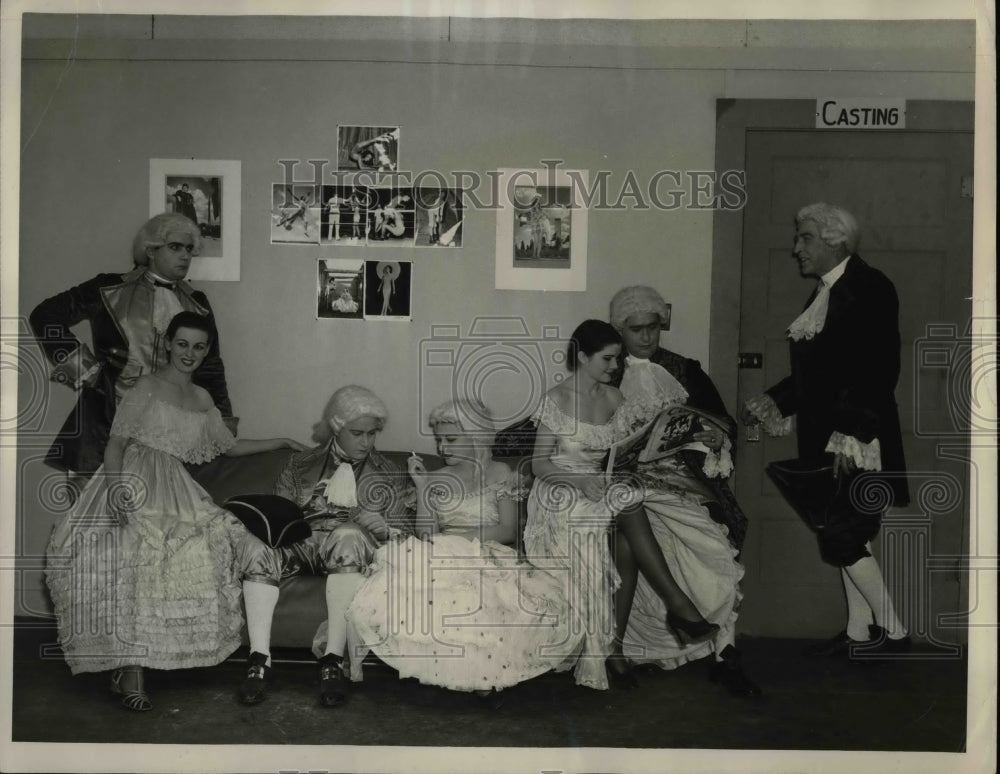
{"type": "Point", "coordinates": [593, 487]}
{"type": "Point", "coordinates": [418, 472]}
{"type": "Point", "coordinates": [121, 501]}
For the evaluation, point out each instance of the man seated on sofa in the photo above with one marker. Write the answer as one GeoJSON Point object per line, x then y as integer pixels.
{"type": "Point", "coordinates": [360, 497]}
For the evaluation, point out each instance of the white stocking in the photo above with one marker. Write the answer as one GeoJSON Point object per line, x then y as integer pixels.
{"type": "Point", "coordinates": [340, 590]}
{"type": "Point", "coordinates": [867, 576]}
{"type": "Point", "coordinates": [260, 600]}
{"type": "Point", "coordinates": [859, 614]}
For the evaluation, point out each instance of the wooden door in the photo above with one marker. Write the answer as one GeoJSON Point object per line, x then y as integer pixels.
{"type": "Point", "coordinates": [908, 192]}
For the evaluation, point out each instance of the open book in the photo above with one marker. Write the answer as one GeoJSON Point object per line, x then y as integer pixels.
{"type": "Point", "coordinates": [671, 431]}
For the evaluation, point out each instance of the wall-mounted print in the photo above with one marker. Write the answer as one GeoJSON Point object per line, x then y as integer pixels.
{"type": "Point", "coordinates": [374, 148]}
{"type": "Point", "coordinates": [208, 192]}
{"type": "Point", "coordinates": [387, 290]}
{"type": "Point", "coordinates": [340, 288]}
{"type": "Point", "coordinates": [344, 215]}
{"type": "Point", "coordinates": [440, 214]}
{"type": "Point", "coordinates": [391, 216]}
{"type": "Point", "coordinates": [541, 230]}
{"type": "Point", "coordinates": [295, 214]}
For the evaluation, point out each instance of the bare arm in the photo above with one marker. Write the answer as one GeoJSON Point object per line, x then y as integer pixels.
{"type": "Point", "coordinates": [245, 446]}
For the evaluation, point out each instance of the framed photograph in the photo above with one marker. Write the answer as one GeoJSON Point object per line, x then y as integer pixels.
{"type": "Point", "coordinates": [209, 193]}
{"type": "Point", "coordinates": [387, 290]}
{"type": "Point", "coordinates": [541, 230]}
{"type": "Point", "coordinates": [340, 289]}
{"type": "Point", "coordinates": [368, 148]}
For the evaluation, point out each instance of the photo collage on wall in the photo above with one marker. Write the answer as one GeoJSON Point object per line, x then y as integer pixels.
{"type": "Point", "coordinates": [361, 210]}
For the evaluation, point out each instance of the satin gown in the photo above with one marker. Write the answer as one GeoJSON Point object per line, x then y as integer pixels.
{"type": "Point", "coordinates": [163, 590]}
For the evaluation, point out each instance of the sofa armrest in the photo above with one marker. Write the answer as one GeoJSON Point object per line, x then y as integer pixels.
{"type": "Point", "coordinates": [225, 477]}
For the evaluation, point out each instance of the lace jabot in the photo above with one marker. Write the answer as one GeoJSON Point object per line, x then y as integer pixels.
{"type": "Point", "coordinates": [191, 436]}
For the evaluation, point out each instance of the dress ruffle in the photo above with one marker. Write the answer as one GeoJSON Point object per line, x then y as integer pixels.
{"type": "Point", "coordinates": [161, 591]}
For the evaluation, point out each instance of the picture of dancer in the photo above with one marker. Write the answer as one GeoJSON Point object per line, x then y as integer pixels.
{"type": "Point", "coordinates": [387, 290]}
{"type": "Point", "coordinates": [439, 217]}
{"type": "Point", "coordinates": [295, 214]}
{"type": "Point", "coordinates": [340, 288]}
{"type": "Point", "coordinates": [542, 226]}
{"type": "Point", "coordinates": [199, 198]}
{"type": "Point", "coordinates": [368, 147]}
{"type": "Point", "coordinates": [390, 216]}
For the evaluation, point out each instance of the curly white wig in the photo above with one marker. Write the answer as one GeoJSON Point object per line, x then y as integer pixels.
{"type": "Point", "coordinates": [636, 299]}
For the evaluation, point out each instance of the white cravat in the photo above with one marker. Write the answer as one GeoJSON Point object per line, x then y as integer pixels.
{"type": "Point", "coordinates": [812, 320]}
{"type": "Point", "coordinates": [646, 380]}
{"type": "Point", "coordinates": [165, 305]}
{"type": "Point", "coordinates": [342, 487]}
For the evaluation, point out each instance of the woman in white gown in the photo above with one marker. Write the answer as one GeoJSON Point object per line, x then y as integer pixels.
{"type": "Point", "coordinates": [571, 507]}
{"type": "Point", "coordinates": [695, 522]}
{"type": "Point", "coordinates": [455, 606]}
{"type": "Point", "coordinates": [143, 569]}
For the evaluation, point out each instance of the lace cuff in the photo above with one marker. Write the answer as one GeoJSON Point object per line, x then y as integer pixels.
{"type": "Point", "coordinates": [129, 414]}
{"type": "Point", "coordinates": [511, 489]}
{"type": "Point", "coordinates": [867, 456]}
{"type": "Point", "coordinates": [766, 410]}
{"type": "Point", "coordinates": [719, 464]}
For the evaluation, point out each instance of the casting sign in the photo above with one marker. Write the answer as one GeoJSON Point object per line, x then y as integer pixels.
{"type": "Point", "coordinates": [879, 113]}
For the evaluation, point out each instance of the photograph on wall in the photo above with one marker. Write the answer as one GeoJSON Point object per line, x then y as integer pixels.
{"type": "Point", "coordinates": [207, 193]}
{"type": "Point", "coordinates": [343, 215]}
{"type": "Point", "coordinates": [391, 216]}
{"type": "Point", "coordinates": [387, 290]}
{"type": "Point", "coordinates": [340, 288]}
{"type": "Point", "coordinates": [541, 230]}
{"type": "Point", "coordinates": [295, 214]}
{"type": "Point", "coordinates": [371, 148]}
{"type": "Point", "coordinates": [439, 217]}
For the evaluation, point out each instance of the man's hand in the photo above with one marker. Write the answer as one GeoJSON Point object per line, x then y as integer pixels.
{"type": "Point", "coordinates": [374, 523]}
{"type": "Point", "coordinates": [843, 465]}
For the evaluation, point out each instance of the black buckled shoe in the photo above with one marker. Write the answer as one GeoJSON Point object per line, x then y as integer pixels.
{"type": "Point", "coordinates": [838, 645]}
{"type": "Point", "coordinates": [729, 672]}
{"type": "Point", "coordinates": [881, 645]}
{"type": "Point", "coordinates": [334, 686]}
{"type": "Point", "coordinates": [254, 688]}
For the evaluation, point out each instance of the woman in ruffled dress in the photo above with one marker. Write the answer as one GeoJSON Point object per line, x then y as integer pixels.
{"type": "Point", "coordinates": [143, 569]}
{"type": "Point", "coordinates": [455, 606]}
{"type": "Point", "coordinates": [695, 522]}
{"type": "Point", "coordinates": [571, 506]}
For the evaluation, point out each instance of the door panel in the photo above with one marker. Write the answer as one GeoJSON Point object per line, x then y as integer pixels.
{"type": "Point", "coordinates": [905, 190]}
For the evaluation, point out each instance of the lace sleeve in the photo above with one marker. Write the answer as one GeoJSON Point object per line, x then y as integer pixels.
{"type": "Point", "coordinates": [867, 456]}
{"type": "Point", "coordinates": [719, 464]}
{"type": "Point", "coordinates": [128, 421]}
{"type": "Point", "coordinates": [549, 414]}
{"type": "Point", "coordinates": [511, 488]}
{"type": "Point", "coordinates": [766, 410]}
{"type": "Point", "coordinates": [219, 437]}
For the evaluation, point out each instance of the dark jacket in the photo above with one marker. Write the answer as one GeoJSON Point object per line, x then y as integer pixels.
{"type": "Point", "coordinates": [119, 309]}
{"type": "Point", "coordinates": [844, 378]}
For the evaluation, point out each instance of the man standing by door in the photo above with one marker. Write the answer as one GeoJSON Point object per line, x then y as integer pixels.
{"type": "Point", "coordinates": [845, 354]}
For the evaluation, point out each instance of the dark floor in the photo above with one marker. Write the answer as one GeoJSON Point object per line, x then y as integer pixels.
{"type": "Point", "coordinates": [915, 705]}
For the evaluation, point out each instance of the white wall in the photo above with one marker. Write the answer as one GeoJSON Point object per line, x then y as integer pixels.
{"type": "Point", "coordinates": [494, 95]}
